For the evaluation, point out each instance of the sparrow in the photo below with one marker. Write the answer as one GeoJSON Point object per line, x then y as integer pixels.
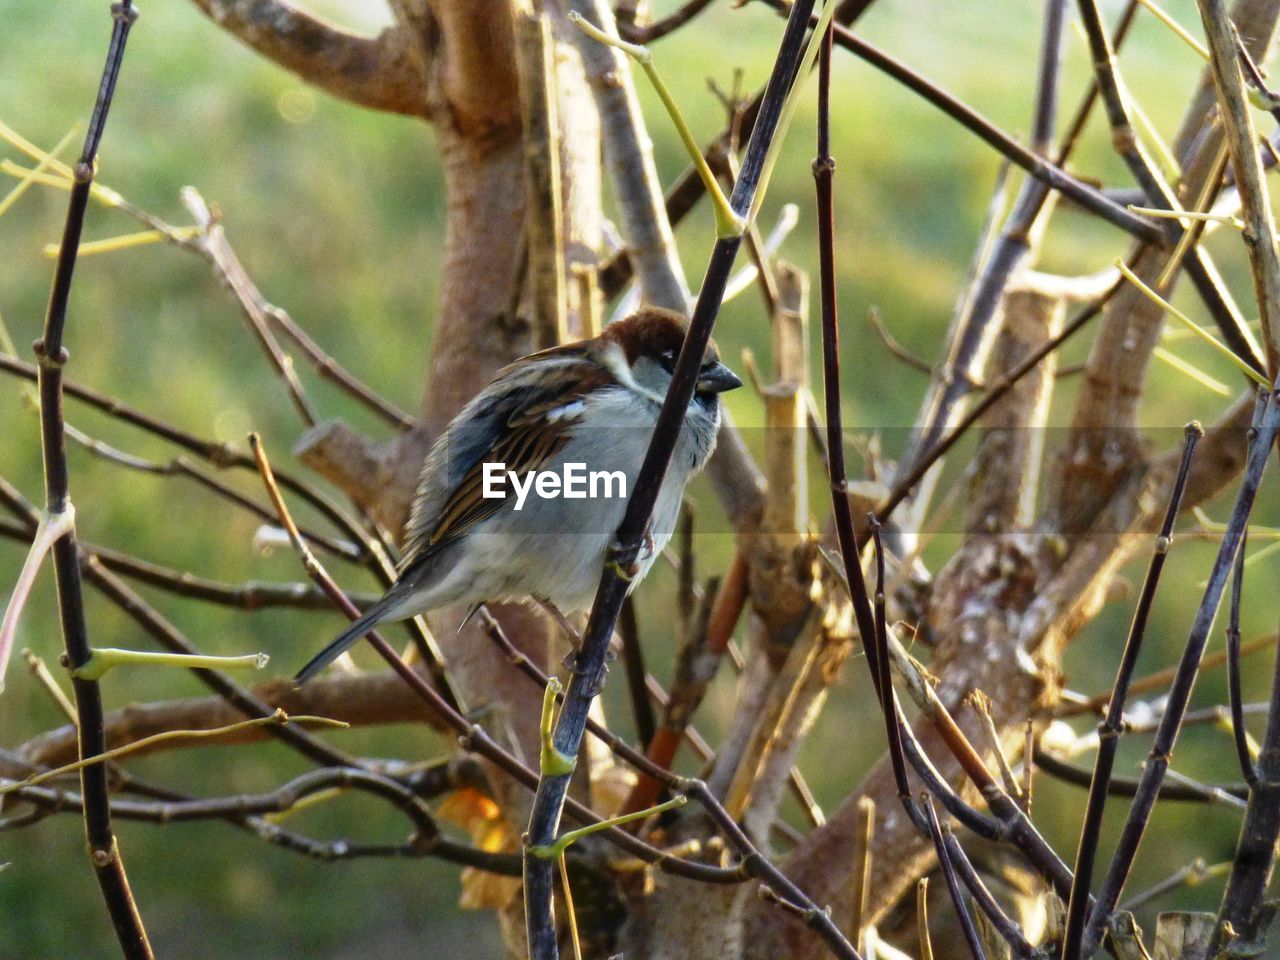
{"type": "Point", "coordinates": [481, 530]}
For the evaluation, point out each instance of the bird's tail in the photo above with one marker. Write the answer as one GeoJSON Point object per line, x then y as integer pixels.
{"type": "Point", "coordinates": [348, 638]}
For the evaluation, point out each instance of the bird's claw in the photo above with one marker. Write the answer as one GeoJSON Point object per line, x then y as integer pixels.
{"type": "Point", "coordinates": [628, 572]}
{"type": "Point", "coordinates": [570, 663]}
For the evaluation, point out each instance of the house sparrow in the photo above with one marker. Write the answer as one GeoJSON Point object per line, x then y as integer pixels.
{"type": "Point", "coordinates": [577, 419]}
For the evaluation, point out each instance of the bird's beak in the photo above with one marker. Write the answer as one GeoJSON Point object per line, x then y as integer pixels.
{"type": "Point", "coordinates": [717, 379]}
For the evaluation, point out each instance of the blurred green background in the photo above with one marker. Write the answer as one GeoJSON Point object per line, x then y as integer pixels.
{"type": "Point", "coordinates": [337, 214]}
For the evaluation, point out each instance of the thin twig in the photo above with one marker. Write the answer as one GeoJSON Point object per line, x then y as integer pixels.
{"type": "Point", "coordinates": [1003, 924]}
{"type": "Point", "coordinates": [876, 322]}
{"type": "Point", "coordinates": [1262, 439]}
{"type": "Point", "coordinates": [978, 315]}
{"type": "Point", "coordinates": [1008, 146]}
{"type": "Point", "coordinates": [953, 885]}
{"type": "Point", "coordinates": [1187, 792]}
{"type": "Point", "coordinates": [922, 919]}
{"type": "Point", "coordinates": [212, 242]}
{"type": "Point", "coordinates": [862, 866]}
{"type": "Point", "coordinates": [1147, 175]}
{"type": "Point", "coordinates": [668, 24]}
{"type": "Point", "coordinates": [903, 485]}
{"type": "Point", "coordinates": [1162, 678]}
{"type": "Point", "coordinates": [249, 812]}
{"type": "Point", "coordinates": [168, 636]}
{"type": "Point", "coordinates": [1109, 729]}
{"type": "Point", "coordinates": [870, 629]}
{"type": "Point", "coordinates": [590, 662]}
{"type": "Point", "coordinates": [472, 736]}
{"type": "Point", "coordinates": [104, 851]}
{"type": "Point", "coordinates": [51, 528]}
{"type": "Point", "coordinates": [1242, 911]}
{"type": "Point", "coordinates": [1242, 140]}
{"type": "Point", "coordinates": [1235, 700]}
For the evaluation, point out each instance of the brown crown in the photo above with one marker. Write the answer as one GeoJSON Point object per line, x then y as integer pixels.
{"type": "Point", "coordinates": [651, 332]}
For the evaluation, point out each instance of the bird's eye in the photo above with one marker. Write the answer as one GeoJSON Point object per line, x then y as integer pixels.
{"type": "Point", "coordinates": [668, 361]}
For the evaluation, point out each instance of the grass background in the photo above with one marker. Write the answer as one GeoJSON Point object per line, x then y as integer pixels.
{"type": "Point", "coordinates": [337, 213]}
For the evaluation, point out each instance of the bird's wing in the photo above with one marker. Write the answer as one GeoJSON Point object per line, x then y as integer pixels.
{"type": "Point", "coordinates": [522, 420]}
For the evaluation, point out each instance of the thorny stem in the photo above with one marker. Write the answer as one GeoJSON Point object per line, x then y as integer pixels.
{"type": "Point", "coordinates": [1235, 700]}
{"type": "Point", "coordinates": [1242, 141]}
{"type": "Point", "coordinates": [590, 662]}
{"type": "Point", "coordinates": [103, 659]}
{"type": "Point", "coordinates": [570, 837]}
{"type": "Point", "coordinates": [953, 885]}
{"type": "Point", "coordinates": [104, 852]}
{"type": "Point", "coordinates": [1110, 728]}
{"type": "Point", "coordinates": [1262, 439]}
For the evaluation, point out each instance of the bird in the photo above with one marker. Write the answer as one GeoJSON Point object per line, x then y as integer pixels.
{"type": "Point", "coordinates": [507, 506]}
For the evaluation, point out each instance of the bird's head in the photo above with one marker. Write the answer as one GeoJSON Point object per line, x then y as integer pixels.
{"type": "Point", "coordinates": [649, 343]}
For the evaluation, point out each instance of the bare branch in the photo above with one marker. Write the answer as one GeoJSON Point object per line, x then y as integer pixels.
{"type": "Point", "coordinates": [1242, 140]}
{"type": "Point", "coordinates": [1007, 462]}
{"type": "Point", "coordinates": [668, 24]}
{"type": "Point", "coordinates": [544, 205]}
{"type": "Point", "coordinates": [386, 72]}
{"type": "Point", "coordinates": [367, 699]}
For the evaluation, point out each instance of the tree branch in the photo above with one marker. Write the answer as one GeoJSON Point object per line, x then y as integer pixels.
{"type": "Point", "coordinates": [366, 699]}
{"type": "Point", "coordinates": [1242, 141]}
{"type": "Point", "coordinates": [386, 72]}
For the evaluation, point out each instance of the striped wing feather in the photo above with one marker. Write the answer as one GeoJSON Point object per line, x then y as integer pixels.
{"type": "Point", "coordinates": [531, 419]}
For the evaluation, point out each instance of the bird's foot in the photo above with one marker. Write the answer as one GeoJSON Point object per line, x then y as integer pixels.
{"type": "Point", "coordinates": [648, 546]}
{"type": "Point", "coordinates": [628, 572]}
{"type": "Point", "coordinates": [571, 663]}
